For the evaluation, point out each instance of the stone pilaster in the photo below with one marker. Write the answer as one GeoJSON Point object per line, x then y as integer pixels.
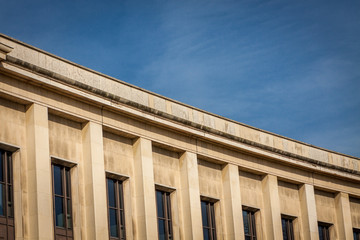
{"type": "Point", "coordinates": [232, 203]}
{"type": "Point", "coordinates": [343, 215]}
{"type": "Point", "coordinates": [144, 195]}
{"type": "Point", "coordinates": [40, 216]}
{"type": "Point", "coordinates": [93, 172]}
{"type": "Point", "coordinates": [190, 195]}
{"type": "Point", "coordinates": [308, 212]}
{"type": "Point", "coordinates": [272, 212]}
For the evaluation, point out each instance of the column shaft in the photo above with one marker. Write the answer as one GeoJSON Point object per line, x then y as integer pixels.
{"type": "Point", "coordinates": [308, 212]}
{"type": "Point", "coordinates": [145, 212]}
{"type": "Point", "coordinates": [190, 195]}
{"type": "Point", "coordinates": [232, 203]}
{"type": "Point", "coordinates": [93, 172]}
{"type": "Point", "coordinates": [272, 212]}
{"type": "Point", "coordinates": [343, 215]}
{"type": "Point", "coordinates": [39, 174]}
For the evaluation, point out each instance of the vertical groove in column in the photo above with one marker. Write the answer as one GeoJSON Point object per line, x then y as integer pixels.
{"type": "Point", "coordinates": [145, 211]}
{"type": "Point", "coordinates": [39, 174]}
{"type": "Point", "coordinates": [272, 212]}
{"type": "Point", "coordinates": [308, 212]}
{"type": "Point", "coordinates": [232, 203]}
{"type": "Point", "coordinates": [190, 195]}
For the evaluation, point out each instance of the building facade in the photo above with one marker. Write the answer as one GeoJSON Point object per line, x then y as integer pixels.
{"type": "Point", "coordinates": [86, 156]}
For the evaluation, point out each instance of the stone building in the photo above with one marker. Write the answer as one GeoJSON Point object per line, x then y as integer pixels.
{"type": "Point", "coordinates": [86, 156]}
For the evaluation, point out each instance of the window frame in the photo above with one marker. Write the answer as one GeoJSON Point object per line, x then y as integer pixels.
{"type": "Point", "coordinates": [67, 231]}
{"type": "Point", "coordinates": [119, 207]}
{"type": "Point", "coordinates": [252, 222]}
{"type": "Point", "coordinates": [325, 229]}
{"type": "Point", "coordinates": [210, 215]}
{"type": "Point", "coordinates": [7, 220]}
{"type": "Point", "coordinates": [289, 224]}
{"type": "Point", "coordinates": [166, 203]}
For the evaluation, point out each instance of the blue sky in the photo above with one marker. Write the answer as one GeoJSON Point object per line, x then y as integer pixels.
{"type": "Point", "coordinates": [289, 67]}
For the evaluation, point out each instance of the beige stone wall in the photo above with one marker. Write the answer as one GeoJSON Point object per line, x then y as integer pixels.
{"type": "Point", "coordinates": [355, 212]}
{"type": "Point", "coordinates": [210, 179]}
{"type": "Point", "coordinates": [118, 154]}
{"type": "Point", "coordinates": [12, 119]}
{"type": "Point", "coordinates": [65, 138]}
{"type": "Point", "coordinates": [251, 190]}
{"type": "Point", "coordinates": [166, 167]}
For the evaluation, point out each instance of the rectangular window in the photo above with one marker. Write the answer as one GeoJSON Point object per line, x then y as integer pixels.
{"type": "Point", "coordinates": [287, 228]}
{"type": "Point", "coordinates": [356, 234]}
{"type": "Point", "coordinates": [163, 206]}
{"type": "Point", "coordinates": [7, 227]}
{"type": "Point", "coordinates": [324, 233]}
{"type": "Point", "coordinates": [62, 202]}
{"type": "Point", "coordinates": [208, 220]}
{"type": "Point", "coordinates": [116, 209]}
{"type": "Point", "coordinates": [249, 225]}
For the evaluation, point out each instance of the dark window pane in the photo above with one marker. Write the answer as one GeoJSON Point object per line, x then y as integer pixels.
{"type": "Point", "coordinates": [10, 202]}
{"type": "Point", "coordinates": [320, 233]}
{"type": "Point", "coordinates": [1, 167]}
{"type": "Point", "coordinates": [159, 204]}
{"type": "Point", "coordinates": [120, 196]}
{"type": "Point", "coordinates": [355, 236]}
{"type": "Point", "coordinates": [9, 167]}
{"type": "Point", "coordinates": [2, 200]}
{"type": "Point", "coordinates": [284, 229]}
{"type": "Point", "coordinates": [206, 233]}
{"type": "Point", "coordinates": [247, 238]}
{"type": "Point", "coordinates": [67, 175]}
{"type": "Point", "coordinates": [59, 212]}
{"type": "Point", "coordinates": [212, 215]}
{"type": "Point", "coordinates": [161, 228]}
{"type": "Point", "coordinates": [246, 222]}
{"type": "Point", "coordinates": [68, 215]}
{"type": "Point", "coordinates": [111, 193]}
{"type": "Point", "coordinates": [114, 231]}
{"type": "Point", "coordinates": [204, 214]}
{"type": "Point", "coordinates": [214, 234]}
{"type": "Point", "coordinates": [58, 180]}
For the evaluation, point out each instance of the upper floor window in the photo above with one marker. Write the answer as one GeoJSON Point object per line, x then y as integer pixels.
{"type": "Point", "coordinates": [249, 224]}
{"type": "Point", "coordinates": [116, 208]}
{"type": "Point", "coordinates": [62, 202]}
{"type": "Point", "coordinates": [356, 234]}
{"type": "Point", "coordinates": [163, 205]}
{"type": "Point", "coordinates": [7, 227]}
{"type": "Point", "coordinates": [287, 228]}
{"type": "Point", "coordinates": [208, 220]}
{"type": "Point", "coordinates": [324, 233]}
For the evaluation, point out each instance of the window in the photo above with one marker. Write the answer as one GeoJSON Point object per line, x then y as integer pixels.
{"type": "Point", "coordinates": [324, 233]}
{"type": "Point", "coordinates": [7, 227]}
{"type": "Point", "coordinates": [116, 209]}
{"type": "Point", "coordinates": [356, 234]}
{"type": "Point", "coordinates": [287, 228]}
{"type": "Point", "coordinates": [163, 206]}
{"type": "Point", "coordinates": [249, 225]}
{"type": "Point", "coordinates": [62, 202]}
{"type": "Point", "coordinates": [208, 220]}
